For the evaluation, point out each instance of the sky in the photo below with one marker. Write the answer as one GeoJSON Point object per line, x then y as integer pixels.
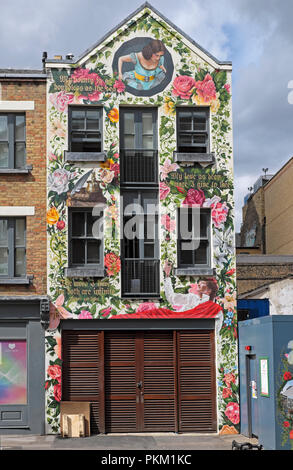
{"type": "Point", "coordinates": [256, 35]}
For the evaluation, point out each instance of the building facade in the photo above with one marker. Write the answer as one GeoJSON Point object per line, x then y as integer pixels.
{"type": "Point", "coordinates": [143, 320]}
{"type": "Point", "coordinates": [24, 306]}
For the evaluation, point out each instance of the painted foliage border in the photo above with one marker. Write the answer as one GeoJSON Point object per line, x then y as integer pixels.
{"type": "Point", "coordinates": [195, 82]}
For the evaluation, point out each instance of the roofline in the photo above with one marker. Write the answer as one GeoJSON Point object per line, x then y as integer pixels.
{"type": "Point", "coordinates": [264, 288]}
{"type": "Point", "coordinates": [23, 76]}
{"type": "Point", "coordinates": [129, 17]}
{"type": "Point", "coordinates": [279, 171]}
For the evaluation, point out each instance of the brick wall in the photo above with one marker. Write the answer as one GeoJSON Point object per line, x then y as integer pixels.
{"type": "Point", "coordinates": [29, 189]}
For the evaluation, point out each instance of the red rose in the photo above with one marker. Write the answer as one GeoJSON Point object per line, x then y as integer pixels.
{"type": "Point", "coordinates": [227, 392]}
{"type": "Point", "coordinates": [232, 412]}
{"type": "Point", "coordinates": [183, 86]}
{"type": "Point", "coordinates": [116, 168]}
{"type": "Point", "coordinates": [206, 88]}
{"type": "Point", "coordinates": [291, 434]}
{"type": "Point", "coordinates": [194, 197]}
{"type": "Point", "coordinates": [286, 424]}
{"type": "Point", "coordinates": [54, 372]}
{"type": "Point", "coordinates": [60, 224]}
{"type": "Point", "coordinates": [57, 392]}
{"type": "Point", "coordinates": [112, 263]}
{"type": "Point", "coordinates": [287, 376]}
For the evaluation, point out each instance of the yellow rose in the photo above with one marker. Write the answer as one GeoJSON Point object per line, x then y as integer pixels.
{"type": "Point", "coordinates": [215, 104]}
{"type": "Point", "coordinates": [107, 163]}
{"type": "Point", "coordinates": [52, 216]}
{"type": "Point", "coordinates": [169, 107]}
{"type": "Point", "coordinates": [199, 101]}
{"type": "Point", "coordinates": [113, 115]}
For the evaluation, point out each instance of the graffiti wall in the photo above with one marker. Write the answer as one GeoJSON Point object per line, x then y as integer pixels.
{"type": "Point", "coordinates": [110, 76]}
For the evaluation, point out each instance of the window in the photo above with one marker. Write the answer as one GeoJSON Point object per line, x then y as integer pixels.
{"type": "Point", "coordinates": [199, 256]}
{"type": "Point", "coordinates": [12, 141]}
{"type": "Point", "coordinates": [138, 146]}
{"type": "Point", "coordinates": [193, 130]}
{"type": "Point", "coordinates": [12, 247]}
{"type": "Point", "coordinates": [85, 129]}
{"type": "Point", "coordinates": [84, 249]}
{"type": "Point", "coordinates": [140, 244]}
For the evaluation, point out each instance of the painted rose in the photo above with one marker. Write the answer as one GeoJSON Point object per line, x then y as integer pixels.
{"type": "Point", "coordinates": [227, 87]}
{"type": "Point", "coordinates": [287, 376]}
{"type": "Point", "coordinates": [168, 223]}
{"type": "Point", "coordinates": [61, 100]}
{"type": "Point", "coordinates": [85, 315]}
{"type": "Point", "coordinates": [81, 74]}
{"type": "Point", "coordinates": [119, 86]}
{"type": "Point", "coordinates": [57, 392]}
{"type": "Point", "coordinates": [286, 424]}
{"type": "Point", "coordinates": [169, 107]}
{"type": "Point", "coordinates": [194, 197]}
{"type": "Point", "coordinates": [113, 115]}
{"type": "Point", "coordinates": [167, 168]}
{"type": "Point", "coordinates": [59, 180]}
{"type": "Point", "coordinates": [229, 378]}
{"type": "Point", "coordinates": [116, 168]}
{"type": "Point", "coordinates": [52, 216]}
{"type": "Point", "coordinates": [112, 263]}
{"type": "Point", "coordinates": [107, 176]}
{"type": "Point", "coordinates": [54, 372]}
{"type": "Point", "coordinates": [60, 225]}
{"type": "Point", "coordinates": [227, 392]}
{"type": "Point", "coordinates": [232, 412]}
{"type": "Point", "coordinates": [95, 96]}
{"type": "Point", "coordinates": [164, 190]}
{"type": "Point", "coordinates": [145, 307]}
{"type": "Point", "coordinates": [58, 348]}
{"type": "Point", "coordinates": [183, 86]}
{"type": "Point", "coordinates": [219, 213]}
{"type": "Point", "coordinates": [206, 88]}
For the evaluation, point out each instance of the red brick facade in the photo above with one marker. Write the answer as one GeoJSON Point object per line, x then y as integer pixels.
{"type": "Point", "coordinates": [29, 189]}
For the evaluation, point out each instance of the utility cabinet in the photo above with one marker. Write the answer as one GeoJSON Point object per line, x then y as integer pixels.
{"type": "Point", "coordinates": [266, 380]}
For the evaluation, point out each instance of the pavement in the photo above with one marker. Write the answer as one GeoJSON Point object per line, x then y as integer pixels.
{"type": "Point", "coordinates": [124, 442]}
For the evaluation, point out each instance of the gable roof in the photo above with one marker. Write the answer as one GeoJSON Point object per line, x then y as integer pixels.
{"type": "Point", "coordinates": [209, 57]}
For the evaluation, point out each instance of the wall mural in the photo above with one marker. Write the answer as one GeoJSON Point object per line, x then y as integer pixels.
{"type": "Point", "coordinates": [110, 78]}
{"type": "Point", "coordinates": [285, 396]}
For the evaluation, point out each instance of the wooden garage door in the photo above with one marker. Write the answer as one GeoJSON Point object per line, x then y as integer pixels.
{"type": "Point", "coordinates": [142, 381]}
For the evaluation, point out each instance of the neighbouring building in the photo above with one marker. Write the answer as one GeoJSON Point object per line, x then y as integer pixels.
{"type": "Point", "coordinates": [24, 305]}
{"type": "Point", "coordinates": [143, 321]}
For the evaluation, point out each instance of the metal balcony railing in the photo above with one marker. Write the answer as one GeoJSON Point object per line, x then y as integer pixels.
{"type": "Point", "coordinates": [139, 166]}
{"type": "Point", "coordinates": [140, 278]}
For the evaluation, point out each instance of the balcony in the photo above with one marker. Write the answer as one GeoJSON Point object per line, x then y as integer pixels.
{"type": "Point", "coordinates": [139, 167]}
{"type": "Point", "coordinates": [140, 278]}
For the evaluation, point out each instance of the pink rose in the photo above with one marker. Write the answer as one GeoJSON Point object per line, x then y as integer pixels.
{"type": "Point", "coordinates": [164, 191]}
{"type": "Point", "coordinates": [232, 412]}
{"type": "Point", "coordinates": [85, 315]}
{"type": "Point", "coordinates": [206, 88]}
{"type": "Point", "coordinates": [54, 372]}
{"type": "Point", "coordinates": [167, 223]}
{"type": "Point", "coordinates": [116, 168]}
{"type": "Point", "coordinates": [227, 87]}
{"type": "Point", "coordinates": [145, 307]}
{"type": "Point", "coordinates": [119, 85]}
{"type": "Point", "coordinates": [194, 197]}
{"type": "Point", "coordinates": [183, 86]}
{"type": "Point", "coordinates": [61, 100]}
{"type": "Point", "coordinates": [95, 96]}
{"type": "Point", "coordinates": [219, 213]}
{"type": "Point", "coordinates": [57, 392]}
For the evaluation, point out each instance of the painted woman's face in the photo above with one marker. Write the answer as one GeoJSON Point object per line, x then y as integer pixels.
{"type": "Point", "coordinates": [157, 56]}
{"type": "Point", "coordinates": [203, 288]}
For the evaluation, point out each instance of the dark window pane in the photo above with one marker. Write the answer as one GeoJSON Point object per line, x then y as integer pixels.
{"type": "Point", "coordinates": [78, 124]}
{"type": "Point", "coordinates": [78, 251]}
{"type": "Point", "coordinates": [3, 128]}
{"type": "Point", "coordinates": [19, 262]}
{"type": "Point", "coordinates": [19, 127]}
{"type": "Point", "coordinates": [3, 261]}
{"type": "Point", "coordinates": [201, 255]}
{"type": "Point", "coordinates": [199, 123]}
{"type": "Point", "coordinates": [185, 121]}
{"type": "Point", "coordinates": [93, 252]}
{"type": "Point", "coordinates": [19, 232]}
{"type": "Point", "coordinates": [149, 251]}
{"type": "Point", "coordinates": [19, 155]}
{"type": "Point", "coordinates": [78, 224]}
{"type": "Point", "coordinates": [3, 155]}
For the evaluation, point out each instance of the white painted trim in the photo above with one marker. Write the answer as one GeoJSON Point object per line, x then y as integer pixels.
{"type": "Point", "coordinates": [14, 211]}
{"type": "Point", "coordinates": [17, 105]}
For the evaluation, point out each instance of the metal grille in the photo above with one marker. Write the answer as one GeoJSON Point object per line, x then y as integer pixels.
{"type": "Point", "coordinates": [139, 166]}
{"type": "Point", "coordinates": [140, 277]}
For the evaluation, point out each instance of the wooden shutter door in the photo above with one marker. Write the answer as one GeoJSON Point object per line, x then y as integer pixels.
{"type": "Point", "coordinates": [120, 381]}
{"type": "Point", "coordinates": [80, 370]}
{"type": "Point", "coordinates": [196, 381]}
{"type": "Point", "coordinates": [158, 378]}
